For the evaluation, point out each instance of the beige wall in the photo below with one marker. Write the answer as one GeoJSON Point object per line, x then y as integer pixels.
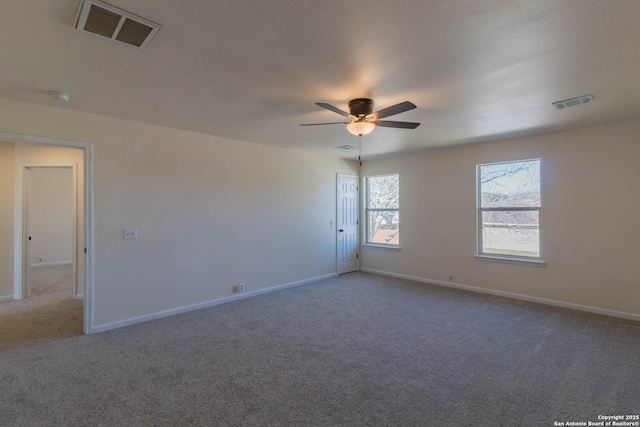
{"type": "Point", "coordinates": [210, 212]}
{"type": "Point", "coordinates": [51, 215]}
{"type": "Point", "coordinates": [6, 219]}
{"type": "Point", "coordinates": [589, 221]}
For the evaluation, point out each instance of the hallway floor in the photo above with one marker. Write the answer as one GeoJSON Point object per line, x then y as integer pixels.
{"type": "Point", "coordinates": [48, 314]}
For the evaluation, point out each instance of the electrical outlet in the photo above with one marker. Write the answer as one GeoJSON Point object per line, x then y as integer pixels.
{"type": "Point", "coordinates": [450, 277]}
{"type": "Point", "coordinates": [241, 287]}
{"type": "Point", "coordinates": [130, 233]}
{"type": "Point", "coordinates": [237, 288]}
{"type": "Point", "coordinates": [40, 259]}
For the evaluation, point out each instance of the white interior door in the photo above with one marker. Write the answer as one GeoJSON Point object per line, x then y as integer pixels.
{"type": "Point", "coordinates": [347, 223]}
{"type": "Point", "coordinates": [26, 233]}
{"type": "Point", "coordinates": [52, 230]}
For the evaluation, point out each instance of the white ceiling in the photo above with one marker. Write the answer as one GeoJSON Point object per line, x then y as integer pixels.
{"type": "Point", "coordinates": [252, 70]}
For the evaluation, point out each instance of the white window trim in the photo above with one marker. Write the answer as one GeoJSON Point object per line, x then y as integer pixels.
{"type": "Point", "coordinates": [536, 262]}
{"type": "Point", "coordinates": [385, 247]}
{"type": "Point", "coordinates": [514, 259]}
{"type": "Point", "coordinates": [366, 210]}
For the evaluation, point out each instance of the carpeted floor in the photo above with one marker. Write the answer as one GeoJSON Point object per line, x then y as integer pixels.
{"type": "Point", "coordinates": [359, 349]}
{"type": "Point", "coordinates": [50, 313]}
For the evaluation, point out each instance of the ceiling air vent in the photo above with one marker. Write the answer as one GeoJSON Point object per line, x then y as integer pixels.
{"type": "Point", "coordinates": [561, 105]}
{"type": "Point", "coordinates": [104, 20]}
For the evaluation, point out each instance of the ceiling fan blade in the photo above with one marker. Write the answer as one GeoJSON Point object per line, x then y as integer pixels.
{"type": "Point", "coordinates": [332, 108]}
{"type": "Point", "coordinates": [332, 123]}
{"type": "Point", "coordinates": [402, 125]}
{"type": "Point", "coordinates": [394, 109]}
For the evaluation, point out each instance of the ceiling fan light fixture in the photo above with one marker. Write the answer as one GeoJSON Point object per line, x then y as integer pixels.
{"type": "Point", "coordinates": [363, 120]}
{"type": "Point", "coordinates": [361, 127]}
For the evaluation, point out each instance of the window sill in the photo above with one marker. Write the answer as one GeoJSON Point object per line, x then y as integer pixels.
{"type": "Point", "coordinates": [383, 247]}
{"type": "Point", "coordinates": [512, 260]}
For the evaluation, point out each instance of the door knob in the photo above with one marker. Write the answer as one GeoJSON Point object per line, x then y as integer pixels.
{"type": "Point", "coordinates": [341, 230]}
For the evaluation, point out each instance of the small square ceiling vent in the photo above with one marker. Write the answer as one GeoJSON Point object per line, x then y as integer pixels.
{"type": "Point", "coordinates": [104, 20]}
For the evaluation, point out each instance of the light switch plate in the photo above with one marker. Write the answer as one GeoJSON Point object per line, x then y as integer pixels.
{"type": "Point", "coordinates": [130, 233]}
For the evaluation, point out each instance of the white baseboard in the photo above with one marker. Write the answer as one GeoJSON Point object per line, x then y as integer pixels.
{"type": "Point", "coordinates": [49, 264]}
{"type": "Point", "coordinates": [79, 296]}
{"type": "Point", "coordinates": [563, 304]}
{"type": "Point", "coordinates": [6, 298]}
{"type": "Point", "coordinates": [206, 304]}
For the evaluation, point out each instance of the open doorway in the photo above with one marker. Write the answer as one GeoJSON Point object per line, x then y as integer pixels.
{"type": "Point", "coordinates": [49, 242]}
{"type": "Point", "coordinates": [45, 282]}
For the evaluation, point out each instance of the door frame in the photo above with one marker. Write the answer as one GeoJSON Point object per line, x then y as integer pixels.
{"type": "Point", "coordinates": [357, 178]}
{"type": "Point", "coordinates": [26, 188]}
{"type": "Point", "coordinates": [88, 218]}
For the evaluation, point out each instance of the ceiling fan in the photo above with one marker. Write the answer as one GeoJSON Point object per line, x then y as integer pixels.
{"type": "Point", "coordinates": [364, 120]}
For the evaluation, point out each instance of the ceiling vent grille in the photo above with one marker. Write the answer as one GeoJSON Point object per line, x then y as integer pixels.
{"type": "Point", "coordinates": [104, 20]}
{"type": "Point", "coordinates": [585, 99]}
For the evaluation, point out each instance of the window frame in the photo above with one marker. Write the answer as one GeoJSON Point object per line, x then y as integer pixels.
{"type": "Point", "coordinates": [367, 210]}
{"type": "Point", "coordinates": [480, 210]}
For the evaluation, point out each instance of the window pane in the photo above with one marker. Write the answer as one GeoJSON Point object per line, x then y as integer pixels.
{"type": "Point", "coordinates": [514, 233]}
{"type": "Point", "coordinates": [383, 227]}
{"type": "Point", "coordinates": [383, 192]}
{"type": "Point", "coordinates": [515, 184]}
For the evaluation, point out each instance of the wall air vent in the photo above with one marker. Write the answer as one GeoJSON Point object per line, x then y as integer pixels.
{"type": "Point", "coordinates": [104, 20]}
{"type": "Point", "coordinates": [561, 105]}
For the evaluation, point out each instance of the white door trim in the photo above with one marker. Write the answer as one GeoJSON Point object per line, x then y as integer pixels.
{"type": "Point", "coordinates": [88, 217]}
{"type": "Point", "coordinates": [24, 185]}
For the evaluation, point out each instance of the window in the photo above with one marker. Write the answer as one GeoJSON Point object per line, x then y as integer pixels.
{"type": "Point", "coordinates": [509, 209]}
{"type": "Point", "coordinates": [383, 210]}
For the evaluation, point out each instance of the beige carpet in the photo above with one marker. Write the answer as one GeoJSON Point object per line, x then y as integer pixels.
{"type": "Point", "coordinates": [354, 350]}
{"type": "Point", "coordinates": [49, 314]}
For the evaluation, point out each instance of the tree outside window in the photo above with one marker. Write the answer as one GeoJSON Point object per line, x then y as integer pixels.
{"type": "Point", "coordinates": [509, 209]}
{"type": "Point", "coordinates": [383, 209]}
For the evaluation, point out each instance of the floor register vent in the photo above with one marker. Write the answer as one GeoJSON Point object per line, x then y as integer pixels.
{"type": "Point", "coordinates": [104, 20]}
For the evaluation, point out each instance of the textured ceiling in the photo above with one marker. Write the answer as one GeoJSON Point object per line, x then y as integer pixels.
{"type": "Point", "coordinates": [251, 70]}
